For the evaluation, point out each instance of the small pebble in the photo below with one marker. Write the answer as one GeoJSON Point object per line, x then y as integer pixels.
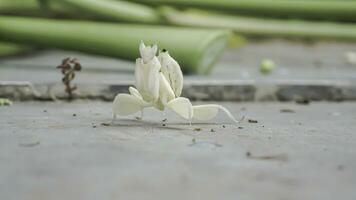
{"type": "Point", "coordinates": [252, 121]}
{"type": "Point", "coordinates": [287, 110]}
{"type": "Point", "coordinates": [105, 124]}
{"type": "Point", "coordinates": [302, 101]}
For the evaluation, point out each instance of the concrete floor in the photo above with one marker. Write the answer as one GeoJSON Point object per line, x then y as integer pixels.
{"type": "Point", "coordinates": [69, 151]}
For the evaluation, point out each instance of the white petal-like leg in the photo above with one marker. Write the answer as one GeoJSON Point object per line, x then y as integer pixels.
{"type": "Point", "coordinates": [125, 104]}
{"type": "Point", "coordinates": [209, 111]}
{"type": "Point", "coordinates": [165, 91]}
{"type": "Point", "coordinates": [182, 107]}
{"type": "Point", "coordinates": [133, 91]}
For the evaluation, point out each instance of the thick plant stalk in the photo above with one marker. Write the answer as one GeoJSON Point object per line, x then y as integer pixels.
{"type": "Point", "coordinates": [195, 49]}
{"type": "Point", "coordinates": [315, 9]}
{"type": "Point", "coordinates": [109, 10]}
{"type": "Point", "coordinates": [9, 49]}
{"type": "Point", "coordinates": [261, 27]}
{"type": "Point", "coordinates": [41, 8]}
{"type": "Point", "coordinates": [114, 10]}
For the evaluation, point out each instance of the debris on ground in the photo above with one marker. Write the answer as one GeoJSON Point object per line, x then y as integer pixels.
{"type": "Point", "coordinates": [5, 102]}
{"type": "Point", "coordinates": [277, 157]}
{"type": "Point", "coordinates": [223, 126]}
{"type": "Point", "coordinates": [267, 66]}
{"type": "Point", "coordinates": [208, 144]}
{"type": "Point", "coordinates": [93, 125]}
{"type": "Point", "coordinates": [302, 101]}
{"type": "Point", "coordinates": [74, 115]}
{"type": "Point", "coordinates": [287, 110]}
{"type": "Point", "coordinates": [164, 120]}
{"type": "Point", "coordinates": [212, 130]}
{"type": "Point", "coordinates": [340, 167]}
{"type": "Point", "coordinates": [68, 68]}
{"type": "Point", "coordinates": [240, 127]}
{"type": "Point", "coordinates": [105, 124]}
{"type": "Point", "coordinates": [252, 121]}
{"type": "Point", "coordinates": [32, 144]}
{"type": "Point", "coordinates": [197, 129]}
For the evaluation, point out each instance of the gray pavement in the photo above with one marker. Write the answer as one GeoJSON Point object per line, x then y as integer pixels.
{"type": "Point", "coordinates": [63, 150]}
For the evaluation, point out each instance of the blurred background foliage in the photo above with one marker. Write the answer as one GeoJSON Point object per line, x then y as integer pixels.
{"type": "Point", "coordinates": [194, 31]}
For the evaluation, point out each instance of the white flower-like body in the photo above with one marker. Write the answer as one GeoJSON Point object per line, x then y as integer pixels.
{"type": "Point", "coordinates": [159, 84]}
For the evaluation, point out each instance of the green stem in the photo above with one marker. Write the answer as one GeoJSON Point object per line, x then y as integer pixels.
{"type": "Point", "coordinates": [114, 10]}
{"type": "Point", "coordinates": [195, 49]}
{"type": "Point", "coordinates": [261, 27]}
{"type": "Point", "coordinates": [103, 9]}
{"type": "Point", "coordinates": [315, 9]}
{"type": "Point", "coordinates": [38, 8]}
{"type": "Point", "coordinates": [9, 49]}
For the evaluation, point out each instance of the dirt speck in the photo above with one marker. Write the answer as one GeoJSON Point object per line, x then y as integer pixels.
{"type": "Point", "coordinates": [287, 110]}
{"type": "Point", "coordinates": [164, 120]}
{"type": "Point", "coordinates": [105, 124]}
{"type": "Point", "coordinates": [212, 130]}
{"type": "Point", "coordinates": [240, 127]}
{"type": "Point", "coordinates": [273, 157]}
{"type": "Point", "coordinates": [252, 121]}
{"type": "Point", "coordinates": [223, 126]}
{"type": "Point", "coordinates": [197, 129]}
{"type": "Point", "coordinates": [74, 115]}
{"type": "Point", "coordinates": [31, 144]}
{"type": "Point", "coordinates": [302, 101]}
{"type": "Point", "coordinates": [340, 167]}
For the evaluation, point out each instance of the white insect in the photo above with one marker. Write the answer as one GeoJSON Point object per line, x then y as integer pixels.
{"type": "Point", "coordinates": [159, 84]}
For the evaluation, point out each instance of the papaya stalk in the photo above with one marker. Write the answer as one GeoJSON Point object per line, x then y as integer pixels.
{"type": "Point", "coordinates": [39, 8]}
{"type": "Point", "coordinates": [195, 49]}
{"type": "Point", "coordinates": [313, 9]}
{"type": "Point", "coordinates": [10, 49]}
{"type": "Point", "coordinates": [114, 10]}
{"type": "Point", "coordinates": [261, 27]}
{"type": "Point", "coordinates": [108, 10]}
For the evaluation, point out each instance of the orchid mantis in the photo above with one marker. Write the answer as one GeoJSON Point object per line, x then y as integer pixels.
{"type": "Point", "coordinates": [159, 84]}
